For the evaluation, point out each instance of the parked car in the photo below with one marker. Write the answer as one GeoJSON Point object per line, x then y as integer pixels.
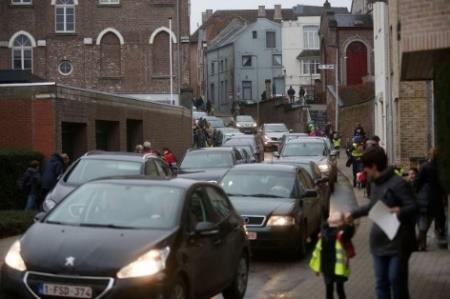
{"type": "Point", "coordinates": [311, 149]}
{"type": "Point", "coordinates": [280, 207]}
{"type": "Point", "coordinates": [98, 164]}
{"type": "Point", "coordinates": [272, 134]}
{"type": "Point", "coordinates": [246, 124]}
{"type": "Point", "coordinates": [227, 132]}
{"type": "Point", "coordinates": [253, 140]}
{"type": "Point", "coordinates": [288, 137]}
{"type": "Point", "coordinates": [133, 238]}
{"type": "Point", "coordinates": [215, 122]}
{"type": "Point", "coordinates": [209, 164]}
{"type": "Point", "coordinates": [246, 154]}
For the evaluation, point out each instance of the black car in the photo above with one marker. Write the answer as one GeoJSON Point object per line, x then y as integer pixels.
{"type": "Point", "coordinates": [279, 204]}
{"type": "Point", "coordinates": [209, 164]}
{"type": "Point", "coordinates": [98, 164]}
{"type": "Point", "coordinates": [129, 238]}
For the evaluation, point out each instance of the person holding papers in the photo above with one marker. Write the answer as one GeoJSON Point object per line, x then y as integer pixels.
{"type": "Point", "coordinates": [392, 239]}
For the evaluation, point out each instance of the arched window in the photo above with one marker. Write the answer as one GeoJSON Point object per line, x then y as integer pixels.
{"type": "Point", "coordinates": [356, 62]}
{"type": "Point", "coordinates": [161, 55]}
{"type": "Point", "coordinates": [110, 55]}
{"type": "Point", "coordinates": [22, 53]}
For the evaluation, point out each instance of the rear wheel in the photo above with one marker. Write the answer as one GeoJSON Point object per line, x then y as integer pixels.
{"type": "Point", "coordinates": [238, 287]}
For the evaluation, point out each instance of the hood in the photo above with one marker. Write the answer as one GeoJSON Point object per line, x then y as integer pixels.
{"type": "Point", "coordinates": [262, 206]}
{"type": "Point", "coordinates": [213, 174]}
{"type": "Point", "coordinates": [277, 135]}
{"type": "Point", "coordinates": [45, 248]}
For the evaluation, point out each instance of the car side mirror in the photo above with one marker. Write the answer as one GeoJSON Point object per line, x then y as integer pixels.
{"type": "Point", "coordinates": [322, 180]}
{"type": "Point", "coordinates": [39, 216]}
{"type": "Point", "coordinates": [309, 193]}
{"type": "Point", "coordinates": [276, 154]}
{"type": "Point", "coordinates": [206, 229]}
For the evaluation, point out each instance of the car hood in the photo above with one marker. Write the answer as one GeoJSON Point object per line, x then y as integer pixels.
{"type": "Point", "coordinates": [276, 135]}
{"type": "Point", "coordinates": [97, 251]}
{"type": "Point", "coordinates": [262, 206]}
{"type": "Point", "coordinates": [213, 174]}
{"type": "Point", "coordinates": [305, 159]}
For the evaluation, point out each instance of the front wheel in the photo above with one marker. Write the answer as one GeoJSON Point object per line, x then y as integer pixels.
{"type": "Point", "coordinates": [238, 287]}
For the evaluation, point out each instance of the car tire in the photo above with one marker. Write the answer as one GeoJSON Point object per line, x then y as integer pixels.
{"type": "Point", "coordinates": [178, 290]}
{"type": "Point", "coordinates": [301, 246]}
{"type": "Point", "coordinates": [238, 287]}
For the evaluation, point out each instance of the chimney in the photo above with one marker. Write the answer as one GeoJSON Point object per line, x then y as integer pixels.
{"type": "Point", "coordinates": [206, 15]}
{"type": "Point", "coordinates": [261, 11]}
{"type": "Point", "coordinates": [278, 14]}
{"type": "Point", "coordinates": [327, 5]}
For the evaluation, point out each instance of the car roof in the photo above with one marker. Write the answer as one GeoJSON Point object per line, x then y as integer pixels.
{"type": "Point", "coordinates": [274, 124]}
{"type": "Point", "coordinates": [120, 156]}
{"type": "Point", "coordinates": [149, 181]}
{"type": "Point", "coordinates": [212, 149]}
{"type": "Point", "coordinates": [306, 140]}
{"type": "Point", "coordinates": [266, 167]}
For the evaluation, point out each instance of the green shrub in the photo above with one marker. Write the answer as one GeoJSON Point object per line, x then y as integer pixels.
{"type": "Point", "coordinates": [14, 223]}
{"type": "Point", "coordinates": [13, 164]}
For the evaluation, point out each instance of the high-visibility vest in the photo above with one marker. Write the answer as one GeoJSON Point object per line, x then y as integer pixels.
{"type": "Point", "coordinates": [337, 143]}
{"type": "Point", "coordinates": [399, 172]}
{"type": "Point", "coordinates": [341, 266]}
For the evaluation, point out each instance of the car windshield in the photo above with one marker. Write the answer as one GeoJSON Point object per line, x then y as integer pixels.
{"type": "Point", "coordinates": [205, 159]}
{"type": "Point", "coordinates": [229, 130]}
{"type": "Point", "coordinates": [216, 123]}
{"type": "Point", "coordinates": [119, 206]}
{"type": "Point", "coordinates": [275, 128]}
{"type": "Point", "coordinates": [246, 118]}
{"type": "Point", "coordinates": [303, 149]}
{"type": "Point", "coordinates": [259, 184]}
{"type": "Point", "coordinates": [241, 141]}
{"type": "Point", "coordinates": [89, 169]}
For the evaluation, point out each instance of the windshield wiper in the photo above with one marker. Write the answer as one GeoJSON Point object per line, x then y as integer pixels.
{"type": "Point", "coordinates": [105, 225]}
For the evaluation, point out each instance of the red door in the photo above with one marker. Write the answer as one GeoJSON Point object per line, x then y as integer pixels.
{"type": "Point", "coordinates": [356, 63]}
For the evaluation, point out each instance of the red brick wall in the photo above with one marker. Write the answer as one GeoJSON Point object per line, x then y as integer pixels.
{"type": "Point", "coordinates": [15, 123]}
{"type": "Point", "coordinates": [43, 126]}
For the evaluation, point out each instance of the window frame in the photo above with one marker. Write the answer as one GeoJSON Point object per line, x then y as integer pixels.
{"type": "Point", "coordinates": [22, 50]}
{"type": "Point", "coordinates": [250, 60]}
{"type": "Point", "coordinates": [308, 62]}
{"type": "Point", "coordinates": [274, 46]}
{"type": "Point", "coordinates": [255, 34]}
{"type": "Point", "coordinates": [108, 2]}
{"type": "Point", "coordinates": [21, 2]}
{"type": "Point", "coordinates": [311, 37]}
{"type": "Point", "coordinates": [274, 60]}
{"type": "Point", "coordinates": [244, 87]}
{"type": "Point", "coordinates": [65, 7]}
{"type": "Point", "coordinates": [71, 67]}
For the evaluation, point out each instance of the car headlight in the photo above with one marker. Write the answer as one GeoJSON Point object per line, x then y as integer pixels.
{"type": "Point", "coordinates": [13, 259]}
{"type": "Point", "coordinates": [281, 221]}
{"type": "Point", "coordinates": [238, 125]}
{"type": "Point", "coordinates": [254, 125]}
{"type": "Point", "coordinates": [324, 167]}
{"type": "Point", "coordinates": [148, 264]}
{"type": "Point", "coordinates": [266, 138]}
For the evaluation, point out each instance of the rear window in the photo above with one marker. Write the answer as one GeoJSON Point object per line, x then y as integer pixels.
{"type": "Point", "coordinates": [90, 169]}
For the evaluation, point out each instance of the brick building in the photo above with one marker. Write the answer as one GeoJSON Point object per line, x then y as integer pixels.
{"type": "Point", "coordinates": [119, 46]}
{"type": "Point", "coordinates": [48, 118]}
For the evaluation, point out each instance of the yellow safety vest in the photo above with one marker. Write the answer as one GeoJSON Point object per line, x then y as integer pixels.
{"type": "Point", "coordinates": [399, 172]}
{"type": "Point", "coordinates": [337, 143]}
{"type": "Point", "coordinates": [341, 267]}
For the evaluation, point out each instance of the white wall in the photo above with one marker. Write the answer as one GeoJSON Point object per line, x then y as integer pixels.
{"type": "Point", "coordinates": [292, 45]}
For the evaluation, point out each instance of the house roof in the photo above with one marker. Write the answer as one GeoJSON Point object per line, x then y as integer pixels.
{"type": "Point", "coordinates": [308, 53]}
{"type": "Point", "coordinates": [15, 76]}
{"type": "Point", "coordinates": [227, 35]}
{"type": "Point", "coordinates": [353, 21]}
{"type": "Point", "coordinates": [308, 10]}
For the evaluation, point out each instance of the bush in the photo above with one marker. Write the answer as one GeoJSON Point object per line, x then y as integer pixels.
{"type": "Point", "coordinates": [13, 165]}
{"type": "Point", "coordinates": [14, 223]}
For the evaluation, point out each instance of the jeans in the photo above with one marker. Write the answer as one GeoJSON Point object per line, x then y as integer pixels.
{"type": "Point", "coordinates": [31, 202]}
{"type": "Point", "coordinates": [391, 274]}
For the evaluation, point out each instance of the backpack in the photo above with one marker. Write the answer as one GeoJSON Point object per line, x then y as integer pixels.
{"type": "Point", "coordinates": [23, 183]}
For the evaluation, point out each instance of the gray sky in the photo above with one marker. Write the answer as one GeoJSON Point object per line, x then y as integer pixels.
{"type": "Point", "coordinates": [201, 5]}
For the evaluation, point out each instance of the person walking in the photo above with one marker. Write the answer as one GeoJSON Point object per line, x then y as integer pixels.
{"type": "Point", "coordinates": [355, 160]}
{"type": "Point", "coordinates": [291, 94]}
{"type": "Point", "coordinates": [332, 253]}
{"type": "Point", "coordinates": [390, 257]}
{"type": "Point", "coordinates": [31, 181]}
{"type": "Point", "coordinates": [302, 93]}
{"type": "Point", "coordinates": [148, 150]}
{"type": "Point", "coordinates": [359, 131]}
{"type": "Point", "coordinates": [139, 149]}
{"type": "Point", "coordinates": [430, 196]}
{"type": "Point", "coordinates": [53, 170]}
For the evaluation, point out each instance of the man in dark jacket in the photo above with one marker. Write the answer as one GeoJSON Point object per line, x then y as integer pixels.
{"type": "Point", "coordinates": [390, 257]}
{"type": "Point", "coordinates": [32, 181]}
{"type": "Point", "coordinates": [55, 167]}
{"type": "Point", "coordinates": [291, 94]}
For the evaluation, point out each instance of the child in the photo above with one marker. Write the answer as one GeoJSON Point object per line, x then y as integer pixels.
{"type": "Point", "coordinates": [332, 253]}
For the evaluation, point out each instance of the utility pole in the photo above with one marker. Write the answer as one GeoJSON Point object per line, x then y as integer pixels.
{"type": "Point", "coordinates": [171, 62]}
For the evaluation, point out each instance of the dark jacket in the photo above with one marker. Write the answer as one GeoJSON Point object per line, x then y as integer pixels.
{"type": "Point", "coordinates": [291, 92]}
{"type": "Point", "coordinates": [394, 192]}
{"type": "Point", "coordinates": [32, 181]}
{"type": "Point", "coordinates": [54, 168]}
{"type": "Point", "coordinates": [429, 190]}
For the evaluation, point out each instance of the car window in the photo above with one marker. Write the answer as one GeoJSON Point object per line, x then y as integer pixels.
{"type": "Point", "coordinates": [220, 204]}
{"type": "Point", "coordinates": [163, 168]}
{"type": "Point", "coordinates": [304, 149]}
{"type": "Point", "coordinates": [207, 159]}
{"type": "Point", "coordinates": [151, 169]}
{"type": "Point", "coordinates": [238, 156]}
{"type": "Point", "coordinates": [199, 210]}
{"type": "Point", "coordinates": [302, 182]}
{"type": "Point", "coordinates": [309, 184]}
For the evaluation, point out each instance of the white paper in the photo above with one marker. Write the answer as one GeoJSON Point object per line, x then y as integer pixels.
{"type": "Point", "coordinates": [387, 221]}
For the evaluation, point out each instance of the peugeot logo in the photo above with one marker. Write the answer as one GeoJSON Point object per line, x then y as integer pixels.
{"type": "Point", "coordinates": [246, 220]}
{"type": "Point", "coordinates": [70, 261]}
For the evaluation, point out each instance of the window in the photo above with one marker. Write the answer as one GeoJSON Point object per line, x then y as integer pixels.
{"type": "Point", "coordinates": [221, 66]}
{"type": "Point", "coordinates": [247, 60]}
{"type": "Point", "coordinates": [247, 90]}
{"type": "Point", "coordinates": [65, 68]}
{"type": "Point", "coordinates": [310, 66]}
{"type": "Point", "coordinates": [22, 53]}
{"type": "Point", "coordinates": [311, 37]}
{"type": "Point", "coordinates": [226, 64]}
{"type": "Point", "coordinates": [219, 202]}
{"type": "Point", "coordinates": [270, 40]}
{"type": "Point", "coordinates": [109, 1]}
{"type": "Point", "coordinates": [213, 68]}
{"type": "Point", "coordinates": [212, 92]}
{"type": "Point", "coordinates": [151, 169]}
{"type": "Point", "coordinates": [110, 54]}
{"type": "Point", "coordinates": [255, 34]}
{"type": "Point", "coordinates": [276, 60]}
{"type": "Point", "coordinates": [65, 16]}
{"type": "Point", "coordinates": [21, 2]}
{"type": "Point", "coordinates": [161, 54]}
{"type": "Point", "coordinates": [222, 91]}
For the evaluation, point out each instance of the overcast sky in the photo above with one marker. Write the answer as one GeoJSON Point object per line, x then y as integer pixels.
{"type": "Point", "coordinates": [201, 5]}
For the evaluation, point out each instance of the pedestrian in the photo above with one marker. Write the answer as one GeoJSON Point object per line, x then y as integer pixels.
{"type": "Point", "coordinates": [208, 106]}
{"type": "Point", "coordinates": [53, 170]}
{"type": "Point", "coordinates": [263, 96]}
{"type": "Point", "coordinates": [148, 150]}
{"type": "Point", "coordinates": [398, 169]}
{"type": "Point", "coordinates": [139, 149]}
{"type": "Point", "coordinates": [412, 178]}
{"type": "Point", "coordinates": [291, 94]}
{"type": "Point", "coordinates": [329, 131]}
{"type": "Point", "coordinates": [359, 131]}
{"type": "Point", "coordinates": [390, 257]}
{"type": "Point", "coordinates": [355, 160]}
{"type": "Point", "coordinates": [302, 92]}
{"type": "Point", "coordinates": [169, 156]}
{"type": "Point", "coordinates": [332, 254]}
{"type": "Point", "coordinates": [430, 196]}
{"type": "Point", "coordinates": [31, 181]}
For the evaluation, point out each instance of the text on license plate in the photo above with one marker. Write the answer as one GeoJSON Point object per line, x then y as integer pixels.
{"type": "Point", "coordinates": [66, 291]}
{"type": "Point", "coordinates": [252, 235]}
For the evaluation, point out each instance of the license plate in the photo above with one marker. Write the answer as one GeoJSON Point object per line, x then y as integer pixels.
{"type": "Point", "coordinates": [252, 235]}
{"type": "Point", "coordinates": [66, 291]}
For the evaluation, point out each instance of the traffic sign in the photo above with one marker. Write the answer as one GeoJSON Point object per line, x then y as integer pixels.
{"type": "Point", "coordinates": [326, 67]}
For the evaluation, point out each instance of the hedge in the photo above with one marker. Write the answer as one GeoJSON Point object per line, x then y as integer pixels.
{"type": "Point", "coordinates": [13, 164]}
{"type": "Point", "coordinates": [14, 223]}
